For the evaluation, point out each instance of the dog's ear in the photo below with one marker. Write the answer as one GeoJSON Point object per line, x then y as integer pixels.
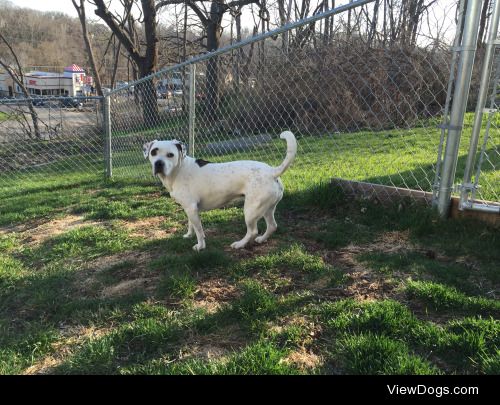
{"type": "Point", "coordinates": [147, 147]}
{"type": "Point", "coordinates": [181, 147]}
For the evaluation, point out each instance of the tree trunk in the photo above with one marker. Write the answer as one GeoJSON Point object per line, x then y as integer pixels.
{"type": "Point", "coordinates": [184, 57]}
{"type": "Point", "coordinates": [146, 63]}
{"type": "Point", "coordinates": [34, 119]}
{"type": "Point", "coordinates": [116, 56]}
{"type": "Point", "coordinates": [373, 25]}
{"type": "Point", "coordinates": [19, 80]}
{"type": "Point", "coordinates": [213, 42]}
{"type": "Point", "coordinates": [240, 54]}
{"type": "Point", "coordinates": [149, 64]}
{"type": "Point", "coordinates": [482, 23]}
{"type": "Point", "coordinates": [83, 21]}
{"type": "Point", "coordinates": [147, 93]}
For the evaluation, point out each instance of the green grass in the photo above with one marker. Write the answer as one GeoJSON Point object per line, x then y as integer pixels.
{"type": "Point", "coordinates": [386, 337]}
{"type": "Point", "coordinates": [82, 243]}
{"type": "Point", "coordinates": [131, 342]}
{"type": "Point", "coordinates": [3, 116]}
{"type": "Point", "coordinates": [292, 260]}
{"type": "Point", "coordinates": [122, 292]}
{"type": "Point", "coordinates": [178, 285]}
{"type": "Point", "coordinates": [375, 354]}
{"type": "Point", "coordinates": [420, 265]}
{"type": "Point", "coordinates": [439, 297]}
{"type": "Point", "coordinates": [260, 358]}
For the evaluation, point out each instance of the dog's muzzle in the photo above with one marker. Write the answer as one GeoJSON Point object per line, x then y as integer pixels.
{"type": "Point", "coordinates": [159, 167]}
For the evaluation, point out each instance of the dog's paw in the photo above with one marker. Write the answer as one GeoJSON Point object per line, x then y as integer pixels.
{"type": "Point", "coordinates": [187, 235]}
{"type": "Point", "coordinates": [260, 239]}
{"type": "Point", "coordinates": [198, 247]}
{"type": "Point", "coordinates": [238, 245]}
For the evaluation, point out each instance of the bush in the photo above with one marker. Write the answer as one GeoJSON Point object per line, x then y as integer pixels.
{"type": "Point", "coordinates": [344, 87]}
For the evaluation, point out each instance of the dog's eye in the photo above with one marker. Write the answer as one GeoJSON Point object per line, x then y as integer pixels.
{"type": "Point", "coordinates": [170, 155]}
{"type": "Point", "coordinates": [154, 152]}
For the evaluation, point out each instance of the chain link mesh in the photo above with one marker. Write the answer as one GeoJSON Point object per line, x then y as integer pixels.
{"type": "Point", "coordinates": [362, 110]}
{"type": "Point", "coordinates": [487, 171]}
{"type": "Point", "coordinates": [49, 135]}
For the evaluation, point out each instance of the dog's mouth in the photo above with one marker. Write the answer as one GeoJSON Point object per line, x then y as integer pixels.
{"type": "Point", "coordinates": [159, 168]}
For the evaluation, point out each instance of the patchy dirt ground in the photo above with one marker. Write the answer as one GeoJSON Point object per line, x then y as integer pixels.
{"type": "Point", "coordinates": [210, 282]}
{"type": "Point", "coordinates": [37, 232]}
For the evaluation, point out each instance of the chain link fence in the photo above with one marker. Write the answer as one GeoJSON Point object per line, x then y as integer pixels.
{"type": "Point", "coordinates": [44, 136]}
{"type": "Point", "coordinates": [363, 109]}
{"type": "Point", "coordinates": [481, 180]}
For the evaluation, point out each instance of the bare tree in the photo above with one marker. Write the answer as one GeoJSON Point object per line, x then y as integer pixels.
{"type": "Point", "coordinates": [284, 18]}
{"type": "Point", "coordinates": [80, 9]}
{"type": "Point", "coordinates": [147, 62]}
{"type": "Point", "coordinates": [17, 76]}
{"type": "Point", "coordinates": [211, 20]}
{"type": "Point", "coordinates": [484, 18]}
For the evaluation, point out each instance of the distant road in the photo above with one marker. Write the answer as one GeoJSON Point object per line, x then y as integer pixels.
{"type": "Point", "coordinates": [51, 120]}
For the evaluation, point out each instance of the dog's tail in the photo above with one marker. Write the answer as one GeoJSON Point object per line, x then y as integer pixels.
{"type": "Point", "coordinates": [291, 151]}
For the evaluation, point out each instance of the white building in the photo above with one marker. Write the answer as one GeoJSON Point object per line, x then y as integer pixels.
{"type": "Point", "coordinates": [6, 84]}
{"type": "Point", "coordinates": [73, 82]}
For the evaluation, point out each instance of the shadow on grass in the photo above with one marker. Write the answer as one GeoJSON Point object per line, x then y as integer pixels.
{"type": "Point", "coordinates": [143, 340]}
{"type": "Point", "coordinates": [422, 266]}
{"type": "Point", "coordinates": [386, 337]}
{"type": "Point", "coordinates": [363, 220]}
{"type": "Point", "coordinates": [33, 307]}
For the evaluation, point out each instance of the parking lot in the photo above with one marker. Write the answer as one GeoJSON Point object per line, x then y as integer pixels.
{"type": "Point", "coordinates": [52, 118]}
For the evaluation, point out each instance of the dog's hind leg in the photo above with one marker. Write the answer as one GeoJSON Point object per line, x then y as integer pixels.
{"type": "Point", "coordinates": [252, 215]}
{"type": "Point", "coordinates": [270, 224]}
{"type": "Point", "coordinates": [274, 198]}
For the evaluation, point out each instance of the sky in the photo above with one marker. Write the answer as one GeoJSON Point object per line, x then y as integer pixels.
{"type": "Point", "coordinates": [64, 6]}
{"type": "Point", "coordinates": [442, 13]}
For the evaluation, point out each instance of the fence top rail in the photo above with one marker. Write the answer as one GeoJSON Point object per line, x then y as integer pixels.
{"type": "Point", "coordinates": [248, 41]}
{"type": "Point", "coordinates": [14, 100]}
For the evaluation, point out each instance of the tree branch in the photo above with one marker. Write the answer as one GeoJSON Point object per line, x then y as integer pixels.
{"type": "Point", "coordinates": [108, 18]}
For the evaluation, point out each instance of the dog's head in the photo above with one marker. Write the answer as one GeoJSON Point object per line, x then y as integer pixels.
{"type": "Point", "coordinates": [165, 156]}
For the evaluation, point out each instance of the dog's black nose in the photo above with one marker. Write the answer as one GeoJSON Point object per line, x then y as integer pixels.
{"type": "Point", "coordinates": [159, 166]}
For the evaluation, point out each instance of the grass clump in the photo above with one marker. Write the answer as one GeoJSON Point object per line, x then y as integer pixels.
{"type": "Point", "coordinates": [260, 358]}
{"type": "Point", "coordinates": [87, 242]}
{"type": "Point", "coordinates": [293, 259]}
{"type": "Point", "coordinates": [379, 354]}
{"type": "Point", "coordinates": [441, 297]}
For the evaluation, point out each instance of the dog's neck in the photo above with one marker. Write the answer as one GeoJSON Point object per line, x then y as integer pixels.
{"type": "Point", "coordinates": [169, 181]}
{"type": "Point", "coordinates": [166, 181]}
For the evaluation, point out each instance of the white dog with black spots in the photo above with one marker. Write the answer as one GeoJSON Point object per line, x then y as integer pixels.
{"type": "Point", "coordinates": [198, 185]}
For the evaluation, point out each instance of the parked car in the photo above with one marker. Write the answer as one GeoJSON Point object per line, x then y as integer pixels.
{"type": "Point", "coordinates": [162, 92]}
{"type": "Point", "coordinates": [71, 103]}
{"type": "Point", "coordinates": [44, 102]}
{"type": "Point", "coordinates": [39, 102]}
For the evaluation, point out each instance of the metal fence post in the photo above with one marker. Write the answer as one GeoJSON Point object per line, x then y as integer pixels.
{"type": "Point", "coordinates": [192, 106]}
{"type": "Point", "coordinates": [460, 96]}
{"type": "Point", "coordinates": [491, 42]}
{"type": "Point", "coordinates": [446, 113]}
{"type": "Point", "coordinates": [107, 137]}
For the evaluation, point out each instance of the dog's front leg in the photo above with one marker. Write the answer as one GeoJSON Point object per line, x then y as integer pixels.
{"type": "Point", "coordinates": [195, 222]}
{"type": "Point", "coordinates": [190, 230]}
